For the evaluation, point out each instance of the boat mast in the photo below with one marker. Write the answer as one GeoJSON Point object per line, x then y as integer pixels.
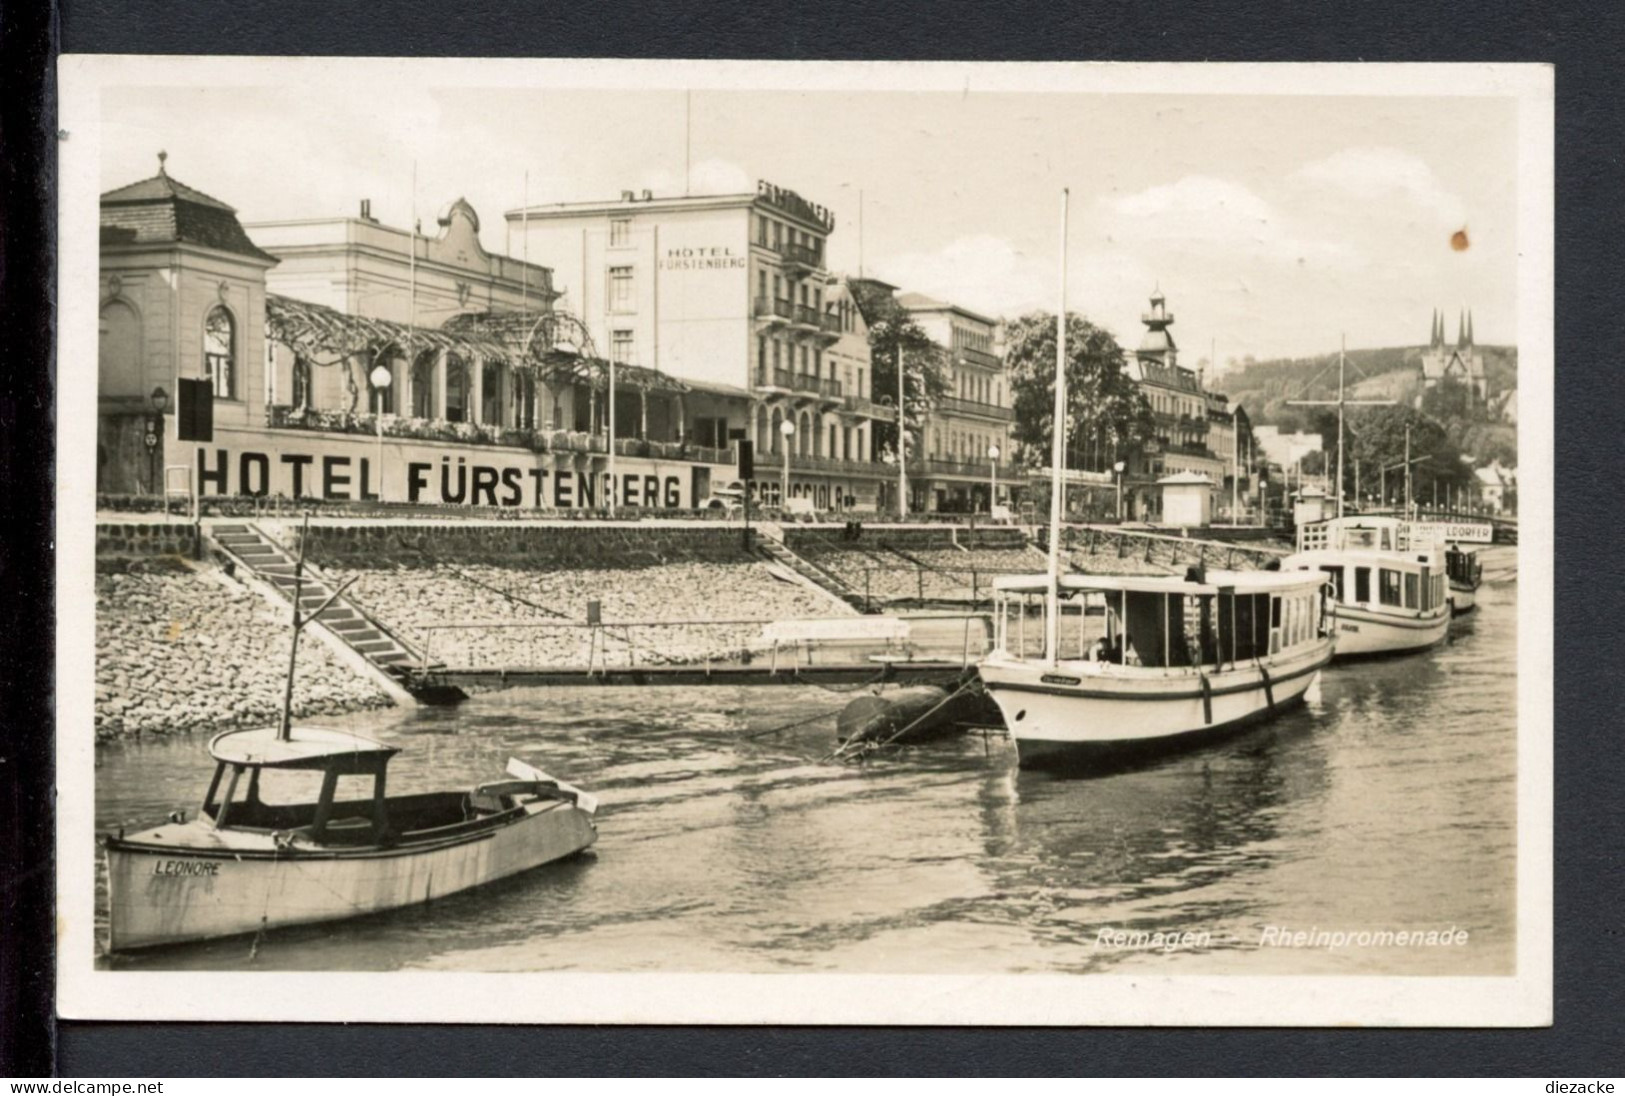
{"type": "Point", "coordinates": [284, 730]}
{"type": "Point", "coordinates": [1057, 490]}
{"type": "Point", "coordinates": [1340, 402]}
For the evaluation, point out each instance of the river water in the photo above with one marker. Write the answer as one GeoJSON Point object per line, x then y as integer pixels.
{"type": "Point", "coordinates": [1386, 803]}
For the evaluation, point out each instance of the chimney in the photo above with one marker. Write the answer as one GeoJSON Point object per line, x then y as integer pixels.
{"type": "Point", "coordinates": [628, 196]}
{"type": "Point", "coordinates": [366, 209]}
{"type": "Point", "coordinates": [648, 195]}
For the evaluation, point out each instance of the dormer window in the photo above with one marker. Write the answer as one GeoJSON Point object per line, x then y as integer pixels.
{"type": "Point", "coordinates": [219, 354]}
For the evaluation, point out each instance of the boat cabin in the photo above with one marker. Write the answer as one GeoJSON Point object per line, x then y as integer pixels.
{"type": "Point", "coordinates": [1374, 562]}
{"type": "Point", "coordinates": [247, 760]}
{"type": "Point", "coordinates": [1163, 622]}
{"type": "Point", "coordinates": [1463, 567]}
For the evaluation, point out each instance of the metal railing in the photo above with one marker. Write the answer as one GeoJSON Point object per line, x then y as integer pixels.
{"type": "Point", "coordinates": [976, 407]}
{"type": "Point", "coordinates": [542, 646]}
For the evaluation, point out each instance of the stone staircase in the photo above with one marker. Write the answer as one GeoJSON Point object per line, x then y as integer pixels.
{"type": "Point", "coordinates": [249, 548]}
{"type": "Point", "coordinates": [774, 549]}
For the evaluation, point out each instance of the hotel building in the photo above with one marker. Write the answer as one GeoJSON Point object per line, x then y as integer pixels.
{"type": "Point", "coordinates": [242, 362]}
{"type": "Point", "coordinates": [729, 295]}
{"type": "Point", "coordinates": [956, 472]}
{"type": "Point", "coordinates": [1197, 432]}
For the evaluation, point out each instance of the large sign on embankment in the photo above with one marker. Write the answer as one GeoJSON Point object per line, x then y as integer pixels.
{"type": "Point", "coordinates": [317, 465]}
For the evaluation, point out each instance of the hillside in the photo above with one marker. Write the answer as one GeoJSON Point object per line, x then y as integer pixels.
{"type": "Point", "coordinates": [1265, 388]}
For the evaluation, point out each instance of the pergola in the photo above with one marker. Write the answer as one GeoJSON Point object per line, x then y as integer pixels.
{"type": "Point", "coordinates": [552, 347]}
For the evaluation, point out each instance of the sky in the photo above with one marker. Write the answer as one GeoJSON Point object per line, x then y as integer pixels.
{"type": "Point", "coordinates": [1273, 224]}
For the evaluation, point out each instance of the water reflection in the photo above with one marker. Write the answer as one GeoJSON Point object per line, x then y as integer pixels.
{"type": "Point", "coordinates": [1387, 801]}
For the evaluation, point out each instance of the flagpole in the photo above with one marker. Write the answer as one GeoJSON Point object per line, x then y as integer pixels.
{"type": "Point", "coordinates": [1057, 492]}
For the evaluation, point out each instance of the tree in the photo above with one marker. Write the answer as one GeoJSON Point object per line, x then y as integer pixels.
{"type": "Point", "coordinates": [897, 337]}
{"type": "Point", "coordinates": [1450, 402]}
{"type": "Point", "coordinates": [1109, 417]}
{"type": "Point", "coordinates": [1377, 441]}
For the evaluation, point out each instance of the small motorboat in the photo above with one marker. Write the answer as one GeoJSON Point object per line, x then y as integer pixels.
{"type": "Point", "coordinates": [243, 864]}
{"type": "Point", "coordinates": [1466, 572]}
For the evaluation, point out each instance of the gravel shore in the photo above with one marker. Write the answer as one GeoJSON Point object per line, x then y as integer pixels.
{"type": "Point", "coordinates": [181, 651]}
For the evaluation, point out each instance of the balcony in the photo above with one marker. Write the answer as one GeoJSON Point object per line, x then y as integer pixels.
{"type": "Point", "coordinates": [805, 319]}
{"type": "Point", "coordinates": [956, 406]}
{"type": "Point", "coordinates": [943, 466]}
{"type": "Point", "coordinates": [839, 465]}
{"type": "Point", "coordinates": [773, 311]}
{"type": "Point", "coordinates": [800, 260]}
{"type": "Point", "coordinates": [782, 379]}
{"type": "Point", "coordinates": [972, 356]}
{"type": "Point", "coordinates": [829, 390]}
{"type": "Point", "coordinates": [869, 409]}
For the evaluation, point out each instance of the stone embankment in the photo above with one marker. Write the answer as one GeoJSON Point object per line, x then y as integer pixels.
{"type": "Point", "coordinates": [513, 617]}
{"type": "Point", "coordinates": [182, 649]}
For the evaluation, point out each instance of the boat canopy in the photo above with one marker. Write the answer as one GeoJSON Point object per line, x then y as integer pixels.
{"type": "Point", "coordinates": [305, 748]}
{"type": "Point", "coordinates": [1228, 582]}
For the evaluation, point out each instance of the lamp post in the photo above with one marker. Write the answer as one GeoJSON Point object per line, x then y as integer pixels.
{"type": "Point", "coordinates": [1117, 473]}
{"type": "Point", "coordinates": [381, 379]}
{"type": "Point", "coordinates": [155, 435]}
{"type": "Point", "coordinates": [787, 429]}
{"type": "Point", "coordinates": [992, 479]}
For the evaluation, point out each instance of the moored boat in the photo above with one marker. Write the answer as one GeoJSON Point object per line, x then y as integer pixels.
{"type": "Point", "coordinates": [1172, 663]}
{"type": "Point", "coordinates": [1388, 587]}
{"type": "Point", "coordinates": [242, 864]}
{"type": "Point", "coordinates": [245, 863]}
{"type": "Point", "coordinates": [1465, 572]}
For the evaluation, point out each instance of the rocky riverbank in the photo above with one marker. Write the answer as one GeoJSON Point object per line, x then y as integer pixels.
{"type": "Point", "coordinates": [181, 650]}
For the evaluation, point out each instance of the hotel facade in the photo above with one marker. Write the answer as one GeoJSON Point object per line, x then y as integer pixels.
{"type": "Point", "coordinates": [343, 359]}
{"type": "Point", "coordinates": [731, 296]}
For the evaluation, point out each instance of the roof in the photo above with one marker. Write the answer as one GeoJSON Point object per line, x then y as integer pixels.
{"type": "Point", "coordinates": [306, 747]}
{"type": "Point", "coordinates": [162, 210]}
{"type": "Point", "coordinates": [920, 302]}
{"type": "Point", "coordinates": [1244, 582]}
{"type": "Point", "coordinates": [1184, 477]}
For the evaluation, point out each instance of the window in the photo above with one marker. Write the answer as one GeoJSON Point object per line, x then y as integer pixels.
{"type": "Point", "coordinates": [761, 284]}
{"type": "Point", "coordinates": [620, 232]}
{"type": "Point", "coordinates": [491, 393]}
{"type": "Point", "coordinates": [620, 288]}
{"type": "Point", "coordinates": [301, 381]}
{"type": "Point", "coordinates": [620, 345]}
{"type": "Point", "coordinates": [456, 389]}
{"type": "Point", "coordinates": [1388, 586]}
{"type": "Point", "coordinates": [778, 240]}
{"type": "Point", "coordinates": [761, 230]}
{"type": "Point", "coordinates": [423, 386]}
{"type": "Point", "coordinates": [219, 353]}
{"type": "Point", "coordinates": [1362, 585]}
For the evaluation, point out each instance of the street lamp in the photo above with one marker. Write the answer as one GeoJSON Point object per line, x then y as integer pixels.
{"type": "Point", "coordinates": [1117, 472]}
{"type": "Point", "coordinates": [381, 379]}
{"type": "Point", "coordinates": [788, 429]}
{"type": "Point", "coordinates": [155, 435]}
{"type": "Point", "coordinates": [992, 478]}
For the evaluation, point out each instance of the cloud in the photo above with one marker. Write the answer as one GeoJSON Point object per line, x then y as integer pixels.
{"type": "Point", "coordinates": [1203, 216]}
{"type": "Point", "coordinates": [711, 176]}
{"type": "Point", "coordinates": [984, 273]}
{"type": "Point", "coordinates": [1378, 174]}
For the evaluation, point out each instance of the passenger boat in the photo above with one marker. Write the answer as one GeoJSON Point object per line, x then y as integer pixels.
{"type": "Point", "coordinates": [1179, 660]}
{"type": "Point", "coordinates": [1465, 572]}
{"type": "Point", "coordinates": [1388, 588]}
{"type": "Point", "coordinates": [242, 864]}
{"type": "Point", "coordinates": [1173, 663]}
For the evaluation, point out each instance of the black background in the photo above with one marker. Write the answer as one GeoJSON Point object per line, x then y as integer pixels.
{"type": "Point", "coordinates": [1581, 39]}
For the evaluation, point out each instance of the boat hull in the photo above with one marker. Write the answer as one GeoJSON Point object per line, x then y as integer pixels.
{"type": "Point", "coordinates": [166, 896]}
{"type": "Point", "coordinates": [1365, 632]}
{"type": "Point", "coordinates": [1463, 599]}
{"type": "Point", "coordinates": [1109, 717]}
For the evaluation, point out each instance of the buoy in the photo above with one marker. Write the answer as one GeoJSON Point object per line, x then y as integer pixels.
{"type": "Point", "coordinates": [879, 718]}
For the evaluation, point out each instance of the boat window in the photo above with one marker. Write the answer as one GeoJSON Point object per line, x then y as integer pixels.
{"type": "Point", "coordinates": [1388, 586]}
{"type": "Point", "coordinates": [1336, 574]}
{"type": "Point", "coordinates": [1360, 538]}
{"type": "Point", "coordinates": [1275, 613]}
{"type": "Point", "coordinates": [1425, 586]}
{"type": "Point", "coordinates": [1387, 542]}
{"type": "Point", "coordinates": [1411, 590]}
{"type": "Point", "coordinates": [1362, 585]}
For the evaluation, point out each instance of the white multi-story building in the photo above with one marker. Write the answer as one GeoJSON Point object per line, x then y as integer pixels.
{"type": "Point", "coordinates": [730, 295]}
